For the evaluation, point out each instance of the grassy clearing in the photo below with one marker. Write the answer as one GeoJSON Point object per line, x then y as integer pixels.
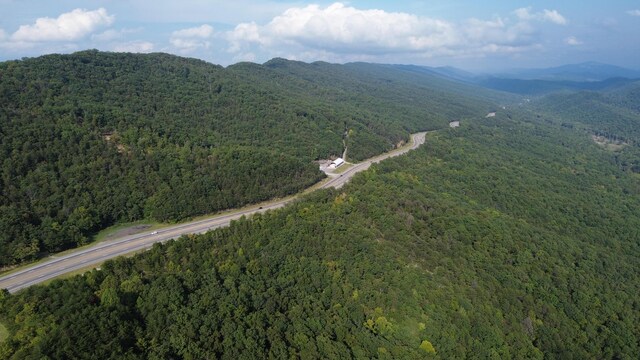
{"type": "Point", "coordinates": [343, 168]}
{"type": "Point", "coordinates": [608, 144]}
{"type": "Point", "coordinates": [4, 333]}
{"type": "Point", "coordinates": [130, 228]}
{"type": "Point", "coordinates": [110, 233]}
{"type": "Point", "coordinates": [117, 231]}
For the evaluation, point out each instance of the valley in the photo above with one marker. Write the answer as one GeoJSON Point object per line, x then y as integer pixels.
{"type": "Point", "coordinates": [497, 234]}
{"type": "Point", "coordinates": [93, 256]}
{"type": "Point", "coordinates": [183, 159]}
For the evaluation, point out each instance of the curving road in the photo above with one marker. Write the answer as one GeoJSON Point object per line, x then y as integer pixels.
{"type": "Point", "coordinates": [95, 255]}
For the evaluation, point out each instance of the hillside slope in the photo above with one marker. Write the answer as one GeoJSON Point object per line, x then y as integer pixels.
{"type": "Point", "coordinates": [91, 139]}
{"type": "Point", "coordinates": [613, 116]}
{"type": "Point", "coordinates": [505, 238]}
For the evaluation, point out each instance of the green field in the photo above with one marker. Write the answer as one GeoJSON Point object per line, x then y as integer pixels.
{"type": "Point", "coordinates": [130, 228]}
{"type": "Point", "coordinates": [4, 333]}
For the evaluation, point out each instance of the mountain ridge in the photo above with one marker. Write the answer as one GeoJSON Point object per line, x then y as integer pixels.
{"type": "Point", "coordinates": [166, 137]}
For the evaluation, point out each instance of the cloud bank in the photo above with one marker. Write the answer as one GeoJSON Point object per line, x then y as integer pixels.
{"type": "Point", "coordinates": [69, 26]}
{"type": "Point", "coordinates": [337, 32]}
{"type": "Point", "coordinates": [546, 15]}
{"type": "Point", "coordinates": [59, 34]}
{"type": "Point", "coordinates": [343, 31]}
{"type": "Point", "coordinates": [192, 39]}
{"type": "Point", "coordinates": [134, 47]}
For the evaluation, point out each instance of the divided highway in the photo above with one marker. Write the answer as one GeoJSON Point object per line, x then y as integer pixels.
{"type": "Point", "coordinates": [95, 255]}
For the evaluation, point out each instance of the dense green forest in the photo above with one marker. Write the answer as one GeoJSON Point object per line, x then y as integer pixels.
{"type": "Point", "coordinates": [614, 116]}
{"type": "Point", "coordinates": [92, 139]}
{"type": "Point", "coordinates": [506, 238]}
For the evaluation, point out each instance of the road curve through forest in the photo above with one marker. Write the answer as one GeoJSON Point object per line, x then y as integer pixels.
{"type": "Point", "coordinates": [95, 255]}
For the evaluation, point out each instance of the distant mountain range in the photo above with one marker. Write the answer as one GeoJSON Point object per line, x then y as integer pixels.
{"type": "Point", "coordinates": [541, 87]}
{"type": "Point", "coordinates": [591, 76]}
{"type": "Point", "coordinates": [587, 71]}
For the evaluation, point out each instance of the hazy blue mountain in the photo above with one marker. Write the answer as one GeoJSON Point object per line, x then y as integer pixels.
{"type": "Point", "coordinates": [540, 87]}
{"type": "Point", "coordinates": [448, 72]}
{"type": "Point", "coordinates": [591, 76]}
{"type": "Point", "coordinates": [587, 71]}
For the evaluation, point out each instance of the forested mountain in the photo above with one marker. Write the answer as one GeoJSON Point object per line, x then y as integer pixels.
{"type": "Point", "coordinates": [614, 116]}
{"type": "Point", "coordinates": [586, 71]}
{"type": "Point", "coordinates": [541, 87]}
{"type": "Point", "coordinates": [535, 82]}
{"type": "Point", "coordinates": [515, 236]}
{"type": "Point", "coordinates": [510, 237]}
{"type": "Point", "coordinates": [91, 139]}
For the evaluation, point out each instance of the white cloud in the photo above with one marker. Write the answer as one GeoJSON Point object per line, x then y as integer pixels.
{"type": "Point", "coordinates": [3, 35]}
{"type": "Point", "coordinates": [13, 46]}
{"type": "Point", "coordinates": [546, 15]}
{"type": "Point", "coordinates": [191, 39]}
{"type": "Point", "coordinates": [341, 28]}
{"type": "Point", "coordinates": [245, 57]}
{"type": "Point", "coordinates": [573, 41]}
{"type": "Point", "coordinates": [524, 13]}
{"type": "Point", "coordinates": [69, 26]}
{"type": "Point", "coordinates": [113, 34]}
{"type": "Point", "coordinates": [339, 31]}
{"type": "Point", "coordinates": [108, 35]}
{"type": "Point", "coordinates": [204, 31]}
{"type": "Point", "coordinates": [554, 16]}
{"type": "Point", "coordinates": [635, 12]}
{"type": "Point", "coordinates": [243, 33]}
{"type": "Point", "coordinates": [134, 47]}
{"type": "Point", "coordinates": [497, 32]}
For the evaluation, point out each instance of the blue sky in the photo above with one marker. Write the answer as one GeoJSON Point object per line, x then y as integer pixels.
{"type": "Point", "coordinates": [475, 35]}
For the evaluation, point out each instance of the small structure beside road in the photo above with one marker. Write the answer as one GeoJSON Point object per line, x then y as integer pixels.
{"type": "Point", "coordinates": [454, 124]}
{"type": "Point", "coordinates": [336, 163]}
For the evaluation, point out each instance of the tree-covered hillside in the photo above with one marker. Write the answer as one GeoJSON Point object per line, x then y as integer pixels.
{"type": "Point", "coordinates": [505, 238]}
{"type": "Point", "coordinates": [91, 139]}
{"type": "Point", "coordinates": [612, 116]}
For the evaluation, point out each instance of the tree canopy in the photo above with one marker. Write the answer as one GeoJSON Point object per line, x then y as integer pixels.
{"type": "Point", "coordinates": [508, 237]}
{"type": "Point", "coordinates": [91, 139]}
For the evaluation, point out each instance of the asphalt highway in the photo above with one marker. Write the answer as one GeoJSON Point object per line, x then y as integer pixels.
{"type": "Point", "coordinates": [95, 255]}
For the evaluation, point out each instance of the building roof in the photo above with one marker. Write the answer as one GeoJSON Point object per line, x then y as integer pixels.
{"type": "Point", "coordinates": [338, 161]}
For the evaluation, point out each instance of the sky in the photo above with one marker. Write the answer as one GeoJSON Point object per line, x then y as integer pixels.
{"type": "Point", "coordinates": [487, 35]}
